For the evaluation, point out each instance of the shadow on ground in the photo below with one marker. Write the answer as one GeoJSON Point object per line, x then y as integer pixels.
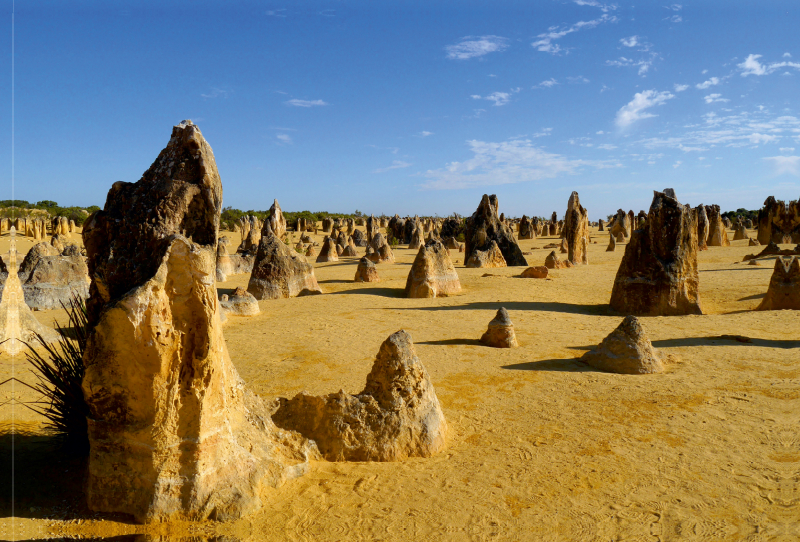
{"type": "Point", "coordinates": [727, 341]}
{"type": "Point", "coordinates": [570, 365]}
{"type": "Point", "coordinates": [546, 306]}
{"type": "Point", "coordinates": [467, 342]}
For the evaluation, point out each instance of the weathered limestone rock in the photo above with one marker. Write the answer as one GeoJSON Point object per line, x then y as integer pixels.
{"type": "Point", "coordinates": [232, 264]}
{"type": "Point", "coordinates": [779, 222]}
{"type": "Point", "coordinates": [372, 227]}
{"type": "Point", "coordinates": [396, 416]}
{"type": "Point", "coordinates": [601, 225]}
{"type": "Point", "coordinates": [366, 271]}
{"type": "Point", "coordinates": [280, 272]}
{"type": "Point", "coordinates": [382, 252]}
{"type": "Point", "coordinates": [173, 431]}
{"type": "Point", "coordinates": [327, 224]}
{"type": "Point", "coordinates": [50, 278]}
{"type": "Point", "coordinates": [491, 257]}
{"type": "Point", "coordinates": [525, 229]}
{"type": "Point", "coordinates": [740, 233]}
{"type": "Point", "coordinates": [240, 303]}
{"type": "Point", "coordinates": [612, 243]}
{"type": "Point", "coordinates": [627, 350]}
{"type": "Point", "coordinates": [702, 227]}
{"type": "Point", "coordinates": [432, 274]}
{"type": "Point", "coordinates": [753, 243]}
{"type": "Point", "coordinates": [563, 248]}
{"type": "Point", "coordinates": [576, 231]}
{"type": "Point", "coordinates": [451, 243]}
{"type": "Point", "coordinates": [18, 325]}
{"type": "Point", "coordinates": [717, 236]}
{"type": "Point", "coordinates": [552, 261]}
{"type": "Point", "coordinates": [501, 332]}
{"type": "Point", "coordinates": [328, 251]}
{"type": "Point", "coordinates": [358, 238]}
{"type": "Point", "coordinates": [485, 227]}
{"type": "Point", "coordinates": [350, 250]}
{"type": "Point", "coordinates": [417, 238]}
{"type": "Point", "coordinates": [784, 286]}
{"type": "Point", "coordinates": [620, 225]}
{"type": "Point", "coordinates": [251, 236]}
{"type": "Point", "coordinates": [658, 273]}
{"type": "Point", "coordinates": [311, 252]}
{"type": "Point", "coordinates": [537, 272]}
{"type": "Point", "coordinates": [277, 222]}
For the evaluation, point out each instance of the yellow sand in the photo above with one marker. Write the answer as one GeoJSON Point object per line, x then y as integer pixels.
{"type": "Point", "coordinates": [540, 446]}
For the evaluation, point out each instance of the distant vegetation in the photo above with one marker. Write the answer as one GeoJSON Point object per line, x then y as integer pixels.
{"type": "Point", "coordinates": [744, 213]}
{"type": "Point", "coordinates": [21, 208]}
{"type": "Point", "coordinates": [230, 216]}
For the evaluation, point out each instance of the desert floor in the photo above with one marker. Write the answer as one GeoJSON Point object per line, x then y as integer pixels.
{"type": "Point", "coordinates": [540, 447]}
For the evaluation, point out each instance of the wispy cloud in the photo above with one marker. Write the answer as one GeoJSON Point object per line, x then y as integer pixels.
{"type": "Point", "coordinates": [545, 41]}
{"type": "Point", "coordinates": [508, 162]}
{"type": "Point", "coordinates": [710, 83]}
{"type": "Point", "coordinates": [633, 41]}
{"type": "Point", "coordinates": [276, 13]}
{"type": "Point", "coordinates": [595, 4]}
{"type": "Point", "coordinates": [785, 164]}
{"type": "Point", "coordinates": [711, 98]}
{"type": "Point", "coordinates": [396, 164]}
{"type": "Point", "coordinates": [636, 109]}
{"type": "Point", "coordinates": [305, 103]}
{"type": "Point", "coordinates": [499, 98]}
{"type": "Point", "coordinates": [752, 66]}
{"type": "Point", "coordinates": [674, 18]}
{"type": "Point", "coordinates": [577, 80]}
{"type": "Point", "coordinates": [643, 65]}
{"type": "Point", "coordinates": [607, 146]}
{"type": "Point", "coordinates": [677, 164]}
{"type": "Point", "coordinates": [284, 138]}
{"type": "Point", "coordinates": [473, 47]}
{"type": "Point", "coordinates": [216, 93]}
{"type": "Point", "coordinates": [424, 133]}
{"type": "Point", "coordinates": [546, 84]}
{"type": "Point", "coordinates": [681, 88]}
{"type": "Point", "coordinates": [787, 55]}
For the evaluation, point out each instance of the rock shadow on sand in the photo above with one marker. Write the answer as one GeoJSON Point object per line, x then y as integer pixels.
{"type": "Point", "coordinates": [542, 306]}
{"type": "Point", "coordinates": [727, 340]}
{"type": "Point", "coordinates": [569, 365]}
{"type": "Point", "coordinates": [382, 292]}
{"type": "Point", "coordinates": [454, 342]}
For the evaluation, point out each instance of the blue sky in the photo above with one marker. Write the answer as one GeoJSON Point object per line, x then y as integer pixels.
{"type": "Point", "coordinates": [411, 107]}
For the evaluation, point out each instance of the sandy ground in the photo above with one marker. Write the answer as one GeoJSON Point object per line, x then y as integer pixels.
{"type": "Point", "coordinates": [540, 446]}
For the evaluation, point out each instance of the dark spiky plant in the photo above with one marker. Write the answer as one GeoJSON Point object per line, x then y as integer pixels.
{"type": "Point", "coordinates": [59, 370]}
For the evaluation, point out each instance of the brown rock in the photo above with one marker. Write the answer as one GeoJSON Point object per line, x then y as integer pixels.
{"type": "Point", "coordinates": [538, 272]}
{"type": "Point", "coordinates": [576, 231]}
{"type": "Point", "coordinates": [702, 227]}
{"type": "Point", "coordinates": [779, 222]}
{"type": "Point", "coordinates": [753, 243]}
{"type": "Point", "coordinates": [173, 431]}
{"type": "Point", "coordinates": [328, 252]}
{"type": "Point", "coordinates": [612, 243]}
{"type": "Point", "coordinates": [619, 226]}
{"type": "Point", "coordinates": [492, 257]}
{"type": "Point", "coordinates": [501, 332]}
{"type": "Point", "coordinates": [784, 286]}
{"type": "Point", "coordinates": [396, 416]}
{"type": "Point", "coordinates": [366, 271]}
{"type": "Point", "coordinates": [311, 252]}
{"type": "Point", "coordinates": [526, 230]}
{"type": "Point", "coordinates": [717, 236]}
{"type": "Point", "coordinates": [240, 303]}
{"type": "Point", "coordinates": [50, 278]}
{"type": "Point", "coordinates": [563, 248]}
{"type": "Point", "coordinates": [552, 261]}
{"type": "Point", "coordinates": [417, 238]}
{"type": "Point", "coordinates": [280, 272]}
{"type": "Point", "coordinates": [740, 233]}
{"type": "Point", "coordinates": [485, 227]}
{"type": "Point", "coordinates": [627, 350]}
{"type": "Point", "coordinates": [382, 252]}
{"type": "Point", "coordinates": [432, 274]}
{"type": "Point", "coordinates": [658, 273]}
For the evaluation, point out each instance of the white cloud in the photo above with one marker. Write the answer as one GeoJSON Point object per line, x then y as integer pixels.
{"type": "Point", "coordinates": [284, 138]}
{"type": "Point", "coordinates": [675, 7]}
{"type": "Point", "coordinates": [276, 13]}
{"type": "Point", "coordinates": [710, 83]}
{"type": "Point", "coordinates": [507, 162]}
{"type": "Point", "coordinates": [396, 164]}
{"type": "Point", "coordinates": [677, 164]}
{"type": "Point", "coordinates": [545, 41]}
{"type": "Point", "coordinates": [785, 164]}
{"type": "Point", "coordinates": [674, 19]}
{"type": "Point", "coordinates": [633, 41]}
{"type": "Point", "coordinates": [607, 146]}
{"type": "Point", "coordinates": [600, 132]}
{"type": "Point", "coordinates": [787, 55]}
{"type": "Point", "coordinates": [752, 66]}
{"type": "Point", "coordinates": [711, 98]}
{"type": "Point", "coordinates": [579, 79]}
{"type": "Point", "coordinates": [216, 93]}
{"type": "Point", "coordinates": [596, 4]}
{"type": "Point", "coordinates": [786, 149]}
{"type": "Point", "coordinates": [424, 133]}
{"type": "Point", "coordinates": [643, 65]}
{"type": "Point", "coordinates": [547, 84]}
{"type": "Point", "coordinates": [681, 88]}
{"type": "Point", "coordinates": [499, 98]}
{"type": "Point", "coordinates": [635, 109]}
{"type": "Point", "coordinates": [473, 47]}
{"type": "Point", "coordinates": [544, 132]}
{"type": "Point", "coordinates": [704, 72]}
{"type": "Point", "coordinates": [305, 103]}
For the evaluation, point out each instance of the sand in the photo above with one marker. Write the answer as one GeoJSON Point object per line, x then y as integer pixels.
{"type": "Point", "coordinates": [541, 446]}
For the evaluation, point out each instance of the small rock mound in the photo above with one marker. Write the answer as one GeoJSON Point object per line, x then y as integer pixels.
{"type": "Point", "coordinates": [279, 271]}
{"type": "Point", "coordinates": [396, 416]}
{"type": "Point", "coordinates": [328, 251]}
{"type": "Point", "coordinates": [538, 272]}
{"type": "Point", "coordinates": [491, 257]}
{"type": "Point", "coordinates": [240, 303]}
{"type": "Point", "coordinates": [784, 286]}
{"type": "Point", "coordinates": [366, 271]}
{"type": "Point", "coordinates": [432, 274]}
{"type": "Point", "coordinates": [501, 332]}
{"type": "Point", "coordinates": [627, 350]}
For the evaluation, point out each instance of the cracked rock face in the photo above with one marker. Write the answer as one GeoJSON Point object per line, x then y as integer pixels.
{"type": "Point", "coordinates": [173, 431]}
{"type": "Point", "coordinates": [576, 231]}
{"type": "Point", "coordinates": [396, 416]}
{"type": "Point", "coordinates": [366, 271]}
{"type": "Point", "coordinates": [432, 273]}
{"type": "Point", "coordinates": [280, 271]}
{"type": "Point", "coordinates": [784, 286]}
{"type": "Point", "coordinates": [491, 257]}
{"type": "Point", "coordinates": [50, 277]}
{"type": "Point", "coordinates": [627, 350]}
{"type": "Point", "coordinates": [717, 236]}
{"type": "Point", "coordinates": [658, 273]}
{"type": "Point", "coordinates": [485, 227]}
{"type": "Point", "coordinates": [778, 222]}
